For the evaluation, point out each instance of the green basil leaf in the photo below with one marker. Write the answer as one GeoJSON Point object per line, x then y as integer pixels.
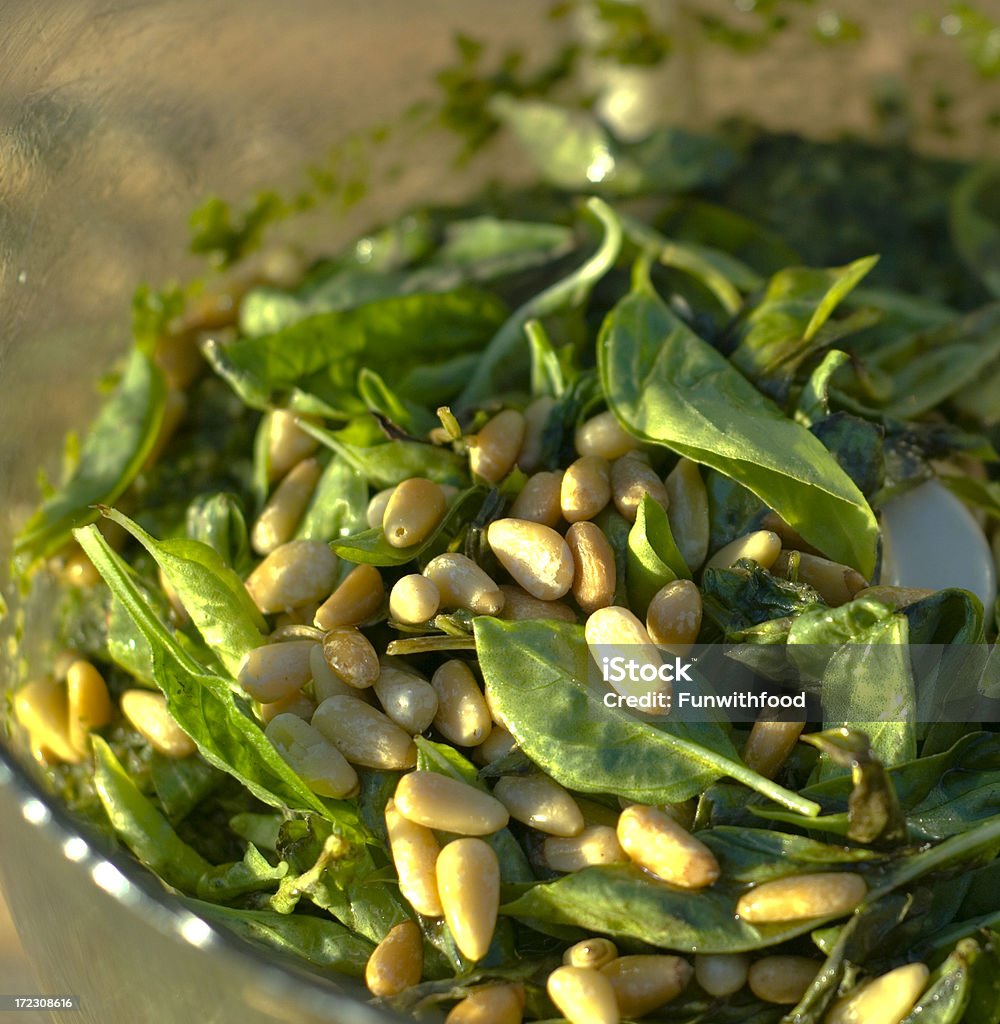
{"type": "Point", "coordinates": [946, 998]}
{"type": "Point", "coordinates": [975, 224]}
{"type": "Point", "coordinates": [228, 882]}
{"type": "Point", "coordinates": [653, 557]}
{"type": "Point", "coordinates": [181, 783]}
{"type": "Point", "coordinates": [814, 402]}
{"type": "Point", "coordinates": [338, 504]}
{"type": "Point", "coordinates": [218, 520]}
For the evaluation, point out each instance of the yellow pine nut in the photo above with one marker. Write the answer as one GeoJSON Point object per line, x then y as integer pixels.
{"type": "Point", "coordinates": [88, 704]}
{"type": "Point", "coordinates": [721, 974]}
{"type": "Point", "coordinates": [536, 415]}
{"type": "Point", "coordinates": [468, 879]}
{"type": "Point", "coordinates": [292, 575]}
{"type": "Point", "coordinates": [493, 451]}
{"type": "Point", "coordinates": [673, 619]}
{"type": "Point", "coordinates": [364, 735]}
{"type": "Point", "coordinates": [357, 599]}
{"type": "Point", "coordinates": [498, 744]}
{"type": "Point", "coordinates": [591, 953]}
{"type": "Point", "coordinates": [688, 512]}
{"type": "Point", "coordinates": [583, 996]}
{"type": "Point", "coordinates": [409, 700]}
{"type": "Point", "coordinates": [886, 999]}
{"type": "Point", "coordinates": [535, 555]}
{"type": "Point", "coordinates": [895, 597]}
{"type": "Point", "coordinates": [350, 655]}
{"type": "Point", "coordinates": [762, 546]}
{"type": "Point", "coordinates": [281, 515]}
{"type": "Point", "coordinates": [41, 708]}
{"type": "Point", "coordinates": [520, 605]}
{"type": "Point", "coordinates": [147, 711]}
{"type": "Point", "coordinates": [602, 435]}
{"type": "Point", "coordinates": [802, 896]}
{"type": "Point", "coordinates": [540, 802]}
{"type": "Point", "coordinates": [178, 358]}
{"type": "Point", "coordinates": [462, 584]}
{"type": "Point", "coordinates": [782, 979]}
{"type": "Point", "coordinates": [413, 512]}
{"type": "Point", "coordinates": [397, 962]}
{"type": "Point", "coordinates": [297, 704]}
{"type": "Point", "coordinates": [375, 514]}
{"type": "Point", "coordinates": [414, 854]}
{"type": "Point", "coordinates": [596, 844]}
{"type": "Point", "coordinates": [443, 803]}
{"type": "Point", "coordinates": [616, 632]}
{"type": "Point", "coordinates": [631, 478]}
{"type": "Point", "coordinates": [769, 744]}
{"type": "Point", "coordinates": [326, 683]}
{"type": "Point", "coordinates": [287, 443]}
{"type": "Point", "coordinates": [836, 584]}
{"type": "Point", "coordinates": [175, 407]}
{"type": "Point", "coordinates": [586, 488]}
{"type": "Point", "coordinates": [462, 716]}
{"type": "Point", "coordinates": [493, 1004]}
{"type": "Point", "coordinates": [538, 501]}
{"type": "Point", "coordinates": [594, 572]}
{"type": "Point", "coordinates": [320, 765]}
{"type": "Point", "coordinates": [645, 983]}
{"type": "Point", "coordinates": [414, 599]}
{"type": "Point", "coordinates": [275, 671]}
{"type": "Point", "coordinates": [62, 661]}
{"type": "Point", "coordinates": [657, 843]}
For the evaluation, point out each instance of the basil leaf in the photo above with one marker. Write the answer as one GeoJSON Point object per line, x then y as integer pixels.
{"type": "Point", "coordinates": [814, 402]}
{"type": "Point", "coordinates": [975, 224]}
{"type": "Point", "coordinates": [653, 557]}
{"type": "Point", "coordinates": [181, 784]}
{"type": "Point", "coordinates": [338, 504]}
{"type": "Point", "coordinates": [946, 998]}
{"type": "Point", "coordinates": [228, 882]}
{"type": "Point", "coordinates": [218, 521]}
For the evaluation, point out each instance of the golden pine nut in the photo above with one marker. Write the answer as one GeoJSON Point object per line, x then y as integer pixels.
{"type": "Point", "coordinates": [62, 661]}
{"type": "Point", "coordinates": [281, 515]}
{"type": "Point", "coordinates": [287, 443]}
{"type": "Point", "coordinates": [836, 584]}
{"type": "Point", "coordinates": [41, 708]}
{"type": "Point", "coordinates": [275, 671]}
{"type": "Point", "coordinates": [673, 619]}
{"type": "Point", "coordinates": [762, 546]}
{"type": "Point", "coordinates": [408, 699]}
{"type": "Point", "coordinates": [413, 512]}
{"type": "Point", "coordinates": [894, 597]}
{"type": "Point", "coordinates": [887, 999]}
{"type": "Point", "coordinates": [802, 896]}
{"type": "Point", "coordinates": [594, 572]}
{"type": "Point", "coordinates": [688, 512]}
{"type": "Point", "coordinates": [596, 844]}
{"type": "Point", "coordinates": [364, 735]}
{"type": "Point", "coordinates": [592, 953]}
{"type": "Point", "coordinates": [645, 983]}
{"type": "Point", "coordinates": [535, 555]}
{"type": "Point", "coordinates": [414, 600]}
{"type": "Point", "coordinates": [721, 974]}
{"type": "Point", "coordinates": [493, 451]}
{"type": "Point", "coordinates": [443, 803]}
{"type": "Point", "coordinates": [493, 1004]}
{"type": "Point", "coordinates": [357, 599]}
{"type": "Point", "coordinates": [616, 632]}
{"type": "Point", "coordinates": [397, 962]}
{"type": "Point", "coordinates": [538, 501]}
{"type": "Point", "coordinates": [89, 704]}
{"type": "Point", "coordinates": [602, 435]}
{"type": "Point", "coordinates": [498, 744]}
{"type": "Point", "coordinates": [540, 802]}
{"type": "Point", "coordinates": [520, 605]}
{"type": "Point", "coordinates": [769, 744]}
{"type": "Point", "coordinates": [583, 996]}
{"type": "Point", "coordinates": [297, 704]}
{"type": "Point", "coordinates": [320, 765]}
{"type": "Point", "coordinates": [657, 843]}
{"type": "Point", "coordinates": [462, 584]}
{"type": "Point", "coordinates": [414, 853]}
{"type": "Point", "coordinates": [631, 479]}
{"type": "Point", "coordinates": [326, 683]}
{"type": "Point", "coordinates": [586, 488]}
{"type": "Point", "coordinates": [462, 716]}
{"type": "Point", "coordinates": [147, 711]}
{"type": "Point", "coordinates": [782, 979]}
{"type": "Point", "coordinates": [375, 514]}
{"type": "Point", "coordinates": [350, 655]}
{"type": "Point", "coordinates": [295, 574]}
{"type": "Point", "coordinates": [468, 879]}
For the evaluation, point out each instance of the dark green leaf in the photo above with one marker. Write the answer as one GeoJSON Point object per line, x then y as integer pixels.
{"type": "Point", "coordinates": [218, 521]}
{"type": "Point", "coordinates": [227, 882]}
{"type": "Point", "coordinates": [653, 557]}
{"type": "Point", "coordinates": [975, 224]}
{"type": "Point", "coordinates": [181, 784]}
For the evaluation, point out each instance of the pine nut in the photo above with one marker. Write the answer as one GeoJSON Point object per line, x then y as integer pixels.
{"type": "Point", "coordinates": [287, 443]}
{"type": "Point", "coordinates": [615, 631]}
{"type": "Point", "coordinates": [688, 512]}
{"type": "Point", "coordinates": [586, 488]}
{"type": "Point", "coordinates": [782, 979]}
{"type": "Point", "coordinates": [769, 744]}
{"type": "Point", "coordinates": [89, 704]}
{"type": "Point", "coordinates": [414, 853]}
{"type": "Point", "coordinates": [493, 1004]}
{"type": "Point", "coordinates": [762, 546]}
{"type": "Point", "coordinates": [673, 619]}
{"type": "Point", "coordinates": [657, 843]}
{"type": "Point", "coordinates": [602, 435]}
{"type": "Point", "coordinates": [536, 416]}
{"type": "Point", "coordinates": [594, 571]}
{"type": "Point", "coordinates": [408, 699]}
{"type": "Point", "coordinates": [397, 962]}
{"type": "Point", "coordinates": [375, 514]}
{"type": "Point", "coordinates": [364, 735]}
{"type": "Point", "coordinates": [462, 584]}
{"type": "Point", "coordinates": [493, 451]}
{"type": "Point", "coordinates": [645, 983]}
{"type": "Point", "coordinates": [802, 896]}
{"type": "Point", "coordinates": [596, 844]}
{"type": "Point", "coordinates": [468, 878]}
{"type": "Point", "coordinates": [147, 711]}
{"type": "Point", "coordinates": [836, 584]}
{"type": "Point", "coordinates": [894, 597]}
{"type": "Point", "coordinates": [498, 744]}
{"type": "Point", "coordinates": [539, 500]}
{"type": "Point", "coordinates": [281, 515]}
{"type": "Point", "coordinates": [443, 803]}
{"type": "Point", "coordinates": [319, 764]}
{"type": "Point", "coordinates": [357, 599]}
{"type": "Point", "coordinates": [631, 478]}
{"type": "Point", "coordinates": [414, 600]}
{"type": "Point", "coordinates": [352, 658]}
{"type": "Point", "coordinates": [591, 953]}
{"type": "Point", "coordinates": [535, 555]}
{"type": "Point", "coordinates": [789, 538]}
{"type": "Point", "coordinates": [540, 802]}
{"type": "Point", "coordinates": [275, 671]}
{"type": "Point", "coordinates": [40, 707]}
{"type": "Point", "coordinates": [462, 716]}
{"type": "Point", "coordinates": [519, 605]}
{"type": "Point", "coordinates": [301, 616]}
{"type": "Point", "coordinates": [295, 574]}
{"type": "Point", "coordinates": [413, 512]}
{"type": "Point", "coordinates": [583, 996]}
{"type": "Point", "coordinates": [297, 704]}
{"type": "Point", "coordinates": [886, 999]}
{"type": "Point", "coordinates": [721, 974]}
{"type": "Point", "coordinates": [326, 683]}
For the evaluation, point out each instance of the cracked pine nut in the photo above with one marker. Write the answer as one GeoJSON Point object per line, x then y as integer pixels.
{"type": "Point", "coordinates": [673, 619]}
{"type": "Point", "coordinates": [147, 711]}
{"type": "Point", "coordinates": [535, 555]}
{"type": "Point", "coordinates": [782, 979]}
{"type": "Point", "coordinates": [519, 605]}
{"type": "Point", "coordinates": [463, 584]}
{"type": "Point", "coordinates": [407, 699]}
{"type": "Point", "coordinates": [413, 512]}
{"type": "Point", "coordinates": [887, 999]}
{"type": "Point", "coordinates": [721, 974]}
{"type": "Point", "coordinates": [602, 435]}
{"type": "Point", "coordinates": [321, 766]}
{"type": "Point", "coordinates": [539, 500]}
{"type": "Point", "coordinates": [357, 599]}
{"type": "Point", "coordinates": [414, 599]}
{"type": "Point", "coordinates": [493, 451]}
{"type": "Point", "coordinates": [596, 844]}
{"type": "Point", "coordinates": [88, 704]}
{"type": "Point", "coordinates": [594, 571]}
{"type": "Point", "coordinates": [762, 547]}
{"type": "Point", "coordinates": [492, 1004]}
{"type": "Point", "coordinates": [688, 512]}
{"type": "Point", "coordinates": [591, 953]}
{"type": "Point", "coordinates": [631, 479]}
{"type": "Point", "coordinates": [800, 897]}
{"type": "Point", "coordinates": [326, 683]}
{"type": "Point", "coordinates": [397, 962]}
{"type": "Point", "coordinates": [583, 996]}
{"type": "Point", "coordinates": [281, 515]}
{"type": "Point", "coordinates": [540, 802]}
{"type": "Point", "coordinates": [351, 657]}
{"type": "Point", "coordinates": [468, 879]}
{"type": "Point", "coordinates": [657, 843]}
{"type": "Point", "coordinates": [297, 573]}
{"type": "Point", "coordinates": [462, 715]}
{"type": "Point", "coordinates": [445, 804]}
{"type": "Point", "coordinates": [645, 983]}
{"type": "Point", "coordinates": [275, 671]}
{"type": "Point", "coordinates": [586, 488]}
{"type": "Point", "coordinates": [364, 735]}
{"type": "Point", "coordinates": [414, 853]}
